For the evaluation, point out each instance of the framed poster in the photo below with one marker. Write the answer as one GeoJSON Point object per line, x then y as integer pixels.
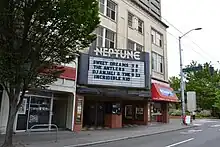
{"type": "Point", "coordinates": [79, 111]}
{"type": "Point", "coordinates": [23, 107]}
{"type": "Point", "coordinates": [128, 112]}
{"type": "Point", "coordinates": [139, 113]}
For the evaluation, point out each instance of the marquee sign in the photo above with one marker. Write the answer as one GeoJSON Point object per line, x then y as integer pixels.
{"type": "Point", "coordinates": [114, 67]}
{"type": "Point", "coordinates": [117, 53]}
{"type": "Point", "coordinates": [116, 72]}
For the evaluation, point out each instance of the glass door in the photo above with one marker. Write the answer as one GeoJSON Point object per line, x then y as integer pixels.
{"type": "Point", "coordinates": [39, 112]}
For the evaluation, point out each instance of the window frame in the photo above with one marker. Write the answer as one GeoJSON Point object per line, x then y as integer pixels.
{"type": "Point", "coordinates": [158, 63]}
{"type": "Point", "coordinates": [131, 22]}
{"type": "Point", "coordinates": [104, 37]}
{"type": "Point", "coordinates": [142, 26]}
{"type": "Point", "coordinates": [154, 39]}
{"type": "Point", "coordinates": [106, 8]}
{"type": "Point", "coordinates": [131, 42]}
{"type": "Point", "coordinates": [135, 45]}
{"type": "Point", "coordinates": [108, 39]}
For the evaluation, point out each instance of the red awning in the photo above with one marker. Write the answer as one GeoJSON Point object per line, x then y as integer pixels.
{"type": "Point", "coordinates": [163, 93]}
{"type": "Point", "coordinates": [69, 73]}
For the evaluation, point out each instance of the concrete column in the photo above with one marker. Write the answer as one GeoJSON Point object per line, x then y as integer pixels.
{"type": "Point", "coordinates": [4, 112]}
{"type": "Point", "coordinates": [146, 113]}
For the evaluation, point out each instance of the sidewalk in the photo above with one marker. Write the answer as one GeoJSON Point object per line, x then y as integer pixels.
{"type": "Point", "coordinates": [86, 138]}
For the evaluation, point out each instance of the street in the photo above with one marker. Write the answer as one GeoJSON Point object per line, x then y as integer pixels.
{"type": "Point", "coordinates": [204, 135]}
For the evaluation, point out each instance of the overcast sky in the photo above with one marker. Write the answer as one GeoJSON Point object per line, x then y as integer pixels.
{"type": "Point", "coordinates": [201, 46]}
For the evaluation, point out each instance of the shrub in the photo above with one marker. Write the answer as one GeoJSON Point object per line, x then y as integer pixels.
{"type": "Point", "coordinates": [175, 112]}
{"type": "Point", "coordinates": [205, 113]}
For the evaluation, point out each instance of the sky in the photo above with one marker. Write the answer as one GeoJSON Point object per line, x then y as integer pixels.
{"type": "Point", "coordinates": [201, 46]}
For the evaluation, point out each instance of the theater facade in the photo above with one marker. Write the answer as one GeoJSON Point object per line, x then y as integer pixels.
{"type": "Point", "coordinates": [113, 88]}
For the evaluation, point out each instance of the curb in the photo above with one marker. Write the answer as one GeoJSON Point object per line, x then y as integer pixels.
{"type": "Point", "coordinates": [125, 138]}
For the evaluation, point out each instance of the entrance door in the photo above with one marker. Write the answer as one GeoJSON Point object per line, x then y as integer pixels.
{"type": "Point", "coordinates": [93, 113]}
{"type": "Point", "coordinates": [39, 111]}
{"type": "Point", "coordinates": [59, 112]}
{"type": "Point", "coordinates": [89, 114]}
{"type": "Point", "coordinates": [100, 114]}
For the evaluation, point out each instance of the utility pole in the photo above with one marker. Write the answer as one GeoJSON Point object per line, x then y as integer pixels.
{"type": "Point", "coordinates": [182, 74]}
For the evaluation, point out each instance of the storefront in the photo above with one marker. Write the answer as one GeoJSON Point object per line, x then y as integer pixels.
{"type": "Point", "coordinates": [162, 94]}
{"type": "Point", "coordinates": [113, 88]}
{"type": "Point", "coordinates": [40, 108]}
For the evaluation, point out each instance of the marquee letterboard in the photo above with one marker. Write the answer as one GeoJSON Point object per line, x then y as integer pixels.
{"type": "Point", "coordinates": [116, 72]}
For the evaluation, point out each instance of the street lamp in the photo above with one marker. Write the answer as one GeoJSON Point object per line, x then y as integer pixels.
{"type": "Point", "coordinates": [181, 73]}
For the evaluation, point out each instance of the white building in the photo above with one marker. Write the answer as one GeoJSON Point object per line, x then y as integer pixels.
{"type": "Point", "coordinates": [125, 24]}
{"type": "Point", "coordinates": [129, 24]}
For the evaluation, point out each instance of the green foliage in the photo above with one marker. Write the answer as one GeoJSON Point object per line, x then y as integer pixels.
{"type": "Point", "coordinates": [35, 35]}
{"type": "Point", "coordinates": [203, 81]}
{"type": "Point", "coordinates": [38, 35]}
{"type": "Point", "coordinates": [175, 84]}
{"type": "Point", "coordinates": [217, 100]}
{"type": "Point", "coordinates": [175, 112]}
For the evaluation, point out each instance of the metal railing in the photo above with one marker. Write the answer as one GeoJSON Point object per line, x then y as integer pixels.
{"type": "Point", "coordinates": [44, 125]}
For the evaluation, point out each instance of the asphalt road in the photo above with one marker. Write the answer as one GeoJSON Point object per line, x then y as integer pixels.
{"type": "Point", "coordinates": [206, 134]}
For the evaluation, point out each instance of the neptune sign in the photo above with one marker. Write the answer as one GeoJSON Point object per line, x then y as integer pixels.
{"type": "Point", "coordinates": [166, 92]}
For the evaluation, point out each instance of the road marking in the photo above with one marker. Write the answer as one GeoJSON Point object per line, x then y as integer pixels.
{"type": "Point", "coordinates": [190, 131]}
{"type": "Point", "coordinates": [181, 142]}
{"type": "Point", "coordinates": [206, 121]}
{"type": "Point", "coordinates": [215, 126]}
{"type": "Point", "coordinates": [197, 124]}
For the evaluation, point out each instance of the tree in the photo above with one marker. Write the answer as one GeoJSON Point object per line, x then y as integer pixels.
{"type": "Point", "coordinates": [175, 84]}
{"type": "Point", "coordinates": [205, 82]}
{"type": "Point", "coordinates": [35, 37]}
{"type": "Point", "coordinates": [203, 79]}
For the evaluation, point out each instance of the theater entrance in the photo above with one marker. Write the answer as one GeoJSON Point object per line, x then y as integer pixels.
{"type": "Point", "coordinates": [94, 113]}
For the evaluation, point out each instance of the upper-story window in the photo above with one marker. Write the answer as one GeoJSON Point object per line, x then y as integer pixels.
{"type": "Point", "coordinates": [134, 46]}
{"type": "Point", "coordinates": [140, 26]}
{"type": "Point", "coordinates": [157, 38]}
{"type": "Point", "coordinates": [130, 19]}
{"type": "Point", "coordinates": [157, 62]}
{"type": "Point", "coordinates": [135, 23]}
{"type": "Point", "coordinates": [108, 8]}
{"type": "Point", "coordinates": [105, 37]}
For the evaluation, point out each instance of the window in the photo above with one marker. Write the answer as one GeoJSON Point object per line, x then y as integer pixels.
{"type": "Point", "coordinates": [139, 47]}
{"type": "Point", "coordinates": [111, 9]}
{"type": "Point", "coordinates": [108, 8]}
{"type": "Point", "coordinates": [160, 64]}
{"type": "Point", "coordinates": [130, 19]}
{"type": "Point", "coordinates": [109, 39]}
{"type": "Point", "coordinates": [154, 61]}
{"type": "Point", "coordinates": [153, 34]}
{"type": "Point", "coordinates": [134, 46]}
{"type": "Point", "coordinates": [157, 38]}
{"type": "Point", "coordinates": [131, 45]}
{"type": "Point", "coordinates": [102, 6]}
{"type": "Point", "coordinates": [100, 36]}
{"type": "Point", "coordinates": [157, 62]}
{"type": "Point", "coordinates": [105, 37]}
{"type": "Point", "coordinates": [140, 26]}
